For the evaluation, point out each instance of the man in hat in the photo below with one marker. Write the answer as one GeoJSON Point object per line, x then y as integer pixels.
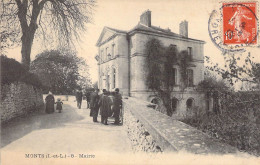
{"type": "Point", "coordinates": [117, 105]}
{"type": "Point", "coordinates": [94, 99]}
{"type": "Point", "coordinates": [105, 107]}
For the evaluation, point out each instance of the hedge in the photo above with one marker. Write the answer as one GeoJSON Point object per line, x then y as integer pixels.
{"type": "Point", "coordinates": [13, 71]}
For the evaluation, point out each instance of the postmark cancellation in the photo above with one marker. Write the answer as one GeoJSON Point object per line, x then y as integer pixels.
{"type": "Point", "coordinates": [234, 26]}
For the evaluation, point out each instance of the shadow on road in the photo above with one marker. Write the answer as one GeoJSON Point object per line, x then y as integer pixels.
{"type": "Point", "coordinates": [22, 126]}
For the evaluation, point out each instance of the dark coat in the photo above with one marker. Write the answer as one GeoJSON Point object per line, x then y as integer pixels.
{"type": "Point", "coordinates": [94, 99]}
{"type": "Point", "coordinates": [88, 96]}
{"type": "Point", "coordinates": [49, 104]}
{"type": "Point", "coordinates": [117, 102]}
{"type": "Point", "coordinates": [105, 106]}
{"type": "Point", "coordinates": [79, 96]}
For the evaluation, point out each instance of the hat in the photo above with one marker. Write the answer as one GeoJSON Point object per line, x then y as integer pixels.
{"type": "Point", "coordinates": [50, 93]}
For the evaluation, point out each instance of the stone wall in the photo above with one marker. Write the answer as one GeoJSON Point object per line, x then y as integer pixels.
{"type": "Point", "coordinates": [140, 138]}
{"type": "Point", "coordinates": [18, 99]}
{"type": "Point", "coordinates": [152, 131]}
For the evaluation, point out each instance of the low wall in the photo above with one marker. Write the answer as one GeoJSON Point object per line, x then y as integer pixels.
{"type": "Point", "coordinates": [140, 138]}
{"type": "Point", "coordinates": [167, 134]}
{"type": "Point", "coordinates": [18, 99]}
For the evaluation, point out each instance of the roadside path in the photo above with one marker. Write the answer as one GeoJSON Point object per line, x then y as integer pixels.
{"type": "Point", "coordinates": [69, 132]}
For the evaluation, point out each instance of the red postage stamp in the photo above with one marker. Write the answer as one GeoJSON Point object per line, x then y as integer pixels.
{"type": "Point", "coordinates": [239, 23]}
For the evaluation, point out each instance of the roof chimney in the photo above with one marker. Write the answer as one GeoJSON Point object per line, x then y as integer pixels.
{"type": "Point", "coordinates": [145, 18]}
{"type": "Point", "coordinates": [183, 28]}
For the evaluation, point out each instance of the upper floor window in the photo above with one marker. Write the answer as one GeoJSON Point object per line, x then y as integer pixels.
{"type": "Point", "coordinates": [106, 53]}
{"type": "Point", "coordinates": [190, 52]}
{"type": "Point", "coordinates": [113, 50]}
{"type": "Point", "coordinates": [102, 55]}
{"type": "Point", "coordinates": [174, 76]}
{"type": "Point", "coordinates": [189, 77]}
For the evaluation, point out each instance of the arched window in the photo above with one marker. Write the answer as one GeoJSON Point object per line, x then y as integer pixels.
{"type": "Point", "coordinates": [189, 77]}
{"type": "Point", "coordinates": [156, 100]}
{"type": "Point", "coordinates": [108, 82]}
{"type": "Point", "coordinates": [189, 103]}
{"type": "Point", "coordinates": [114, 78]}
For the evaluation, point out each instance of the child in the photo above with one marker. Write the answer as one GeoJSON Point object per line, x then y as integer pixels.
{"type": "Point", "coordinates": [59, 105]}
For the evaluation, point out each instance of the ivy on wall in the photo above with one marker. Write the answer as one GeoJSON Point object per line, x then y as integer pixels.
{"type": "Point", "coordinates": [184, 59]}
{"type": "Point", "coordinates": [160, 61]}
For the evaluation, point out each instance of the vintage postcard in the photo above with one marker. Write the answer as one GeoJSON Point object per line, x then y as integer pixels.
{"type": "Point", "coordinates": [130, 82]}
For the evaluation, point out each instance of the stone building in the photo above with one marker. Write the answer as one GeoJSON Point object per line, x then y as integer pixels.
{"type": "Point", "coordinates": [121, 63]}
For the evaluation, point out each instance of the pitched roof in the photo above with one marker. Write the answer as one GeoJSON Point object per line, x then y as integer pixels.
{"type": "Point", "coordinates": [158, 30]}
{"type": "Point", "coordinates": [116, 30]}
{"type": "Point", "coordinates": [144, 28]}
{"type": "Point", "coordinates": [155, 29]}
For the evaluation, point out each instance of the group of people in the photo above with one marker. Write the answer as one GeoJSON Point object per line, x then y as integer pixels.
{"type": "Point", "coordinates": [50, 101]}
{"type": "Point", "coordinates": [109, 104]}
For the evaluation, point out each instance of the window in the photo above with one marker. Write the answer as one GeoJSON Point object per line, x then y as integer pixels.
{"type": "Point", "coordinates": [113, 50]}
{"type": "Point", "coordinates": [102, 55]}
{"type": "Point", "coordinates": [174, 76]}
{"type": "Point", "coordinates": [106, 53]}
{"type": "Point", "coordinates": [155, 101]}
{"type": "Point", "coordinates": [189, 77]}
{"type": "Point", "coordinates": [190, 52]}
{"type": "Point", "coordinates": [108, 82]}
{"type": "Point", "coordinates": [189, 103]}
{"type": "Point", "coordinates": [114, 78]}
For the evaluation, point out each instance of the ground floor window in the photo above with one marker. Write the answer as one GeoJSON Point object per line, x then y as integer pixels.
{"type": "Point", "coordinates": [189, 103]}
{"type": "Point", "coordinates": [114, 78]}
{"type": "Point", "coordinates": [155, 101]}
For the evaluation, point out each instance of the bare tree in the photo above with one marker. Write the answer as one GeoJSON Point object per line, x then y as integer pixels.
{"type": "Point", "coordinates": [63, 19]}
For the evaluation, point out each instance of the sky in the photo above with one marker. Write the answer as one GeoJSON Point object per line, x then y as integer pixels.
{"type": "Point", "coordinates": [125, 14]}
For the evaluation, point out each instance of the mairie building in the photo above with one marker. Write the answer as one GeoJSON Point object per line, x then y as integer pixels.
{"type": "Point", "coordinates": [121, 63]}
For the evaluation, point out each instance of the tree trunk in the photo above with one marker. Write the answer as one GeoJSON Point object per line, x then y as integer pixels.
{"type": "Point", "coordinates": [28, 30]}
{"type": "Point", "coordinates": [27, 41]}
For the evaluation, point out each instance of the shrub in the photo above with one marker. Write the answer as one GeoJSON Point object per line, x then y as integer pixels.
{"type": "Point", "coordinates": [13, 71]}
{"type": "Point", "coordinates": [237, 124]}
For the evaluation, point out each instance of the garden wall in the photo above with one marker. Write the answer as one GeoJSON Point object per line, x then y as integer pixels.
{"type": "Point", "coordinates": [18, 99]}
{"type": "Point", "coordinates": [152, 131]}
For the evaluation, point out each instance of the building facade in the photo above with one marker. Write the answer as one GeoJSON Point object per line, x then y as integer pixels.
{"type": "Point", "coordinates": [121, 59]}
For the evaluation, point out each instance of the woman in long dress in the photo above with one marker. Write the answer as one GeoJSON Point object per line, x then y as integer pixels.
{"type": "Point", "coordinates": [49, 100]}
